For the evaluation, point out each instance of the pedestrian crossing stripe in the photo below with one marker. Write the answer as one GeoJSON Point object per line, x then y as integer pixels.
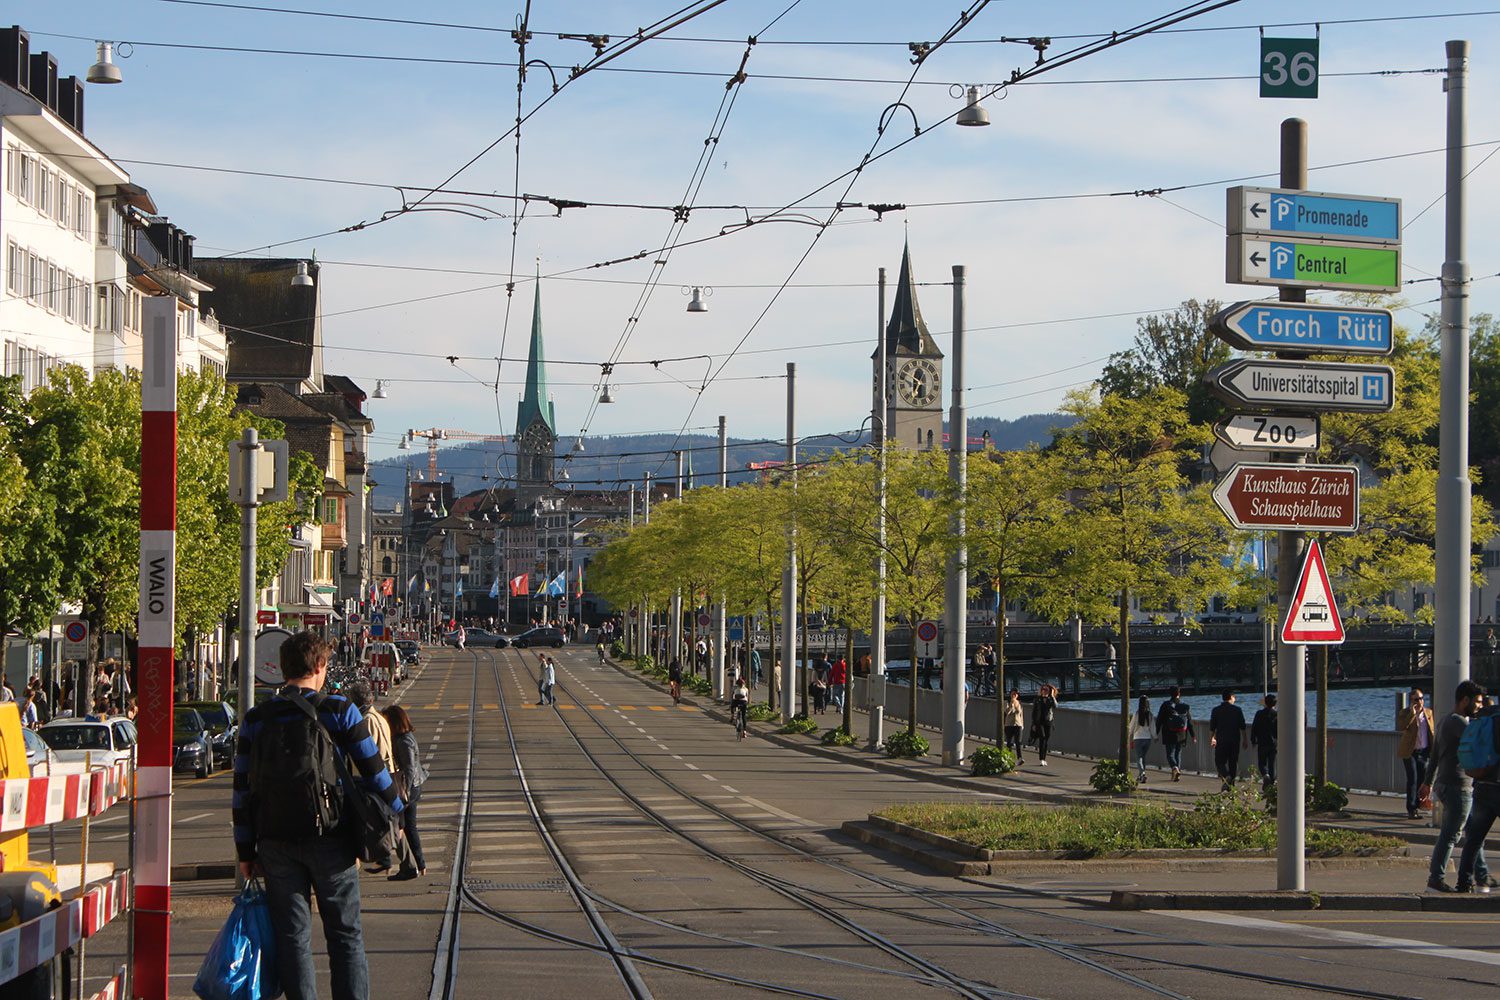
{"type": "Point", "coordinates": [627, 708]}
{"type": "Point", "coordinates": [686, 708]}
{"type": "Point", "coordinates": [657, 708]}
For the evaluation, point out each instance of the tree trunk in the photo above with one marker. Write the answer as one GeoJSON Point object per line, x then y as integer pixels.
{"type": "Point", "coordinates": [799, 670]}
{"type": "Point", "coordinates": [999, 662]}
{"type": "Point", "coordinates": [1125, 679]}
{"type": "Point", "coordinates": [911, 717]}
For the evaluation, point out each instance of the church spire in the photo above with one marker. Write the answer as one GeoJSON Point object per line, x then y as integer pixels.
{"type": "Point", "coordinates": [534, 403]}
{"type": "Point", "coordinates": [906, 333]}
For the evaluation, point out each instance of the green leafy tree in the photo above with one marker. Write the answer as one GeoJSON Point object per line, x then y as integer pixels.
{"type": "Point", "coordinates": [1172, 350]}
{"type": "Point", "coordinates": [31, 565]}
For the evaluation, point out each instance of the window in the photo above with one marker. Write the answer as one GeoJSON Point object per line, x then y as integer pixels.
{"type": "Point", "coordinates": [61, 203]}
{"type": "Point", "coordinates": [35, 274]}
{"type": "Point", "coordinates": [12, 175]}
{"type": "Point", "coordinates": [385, 565]}
{"type": "Point", "coordinates": [53, 284]}
{"type": "Point", "coordinates": [24, 192]}
{"type": "Point", "coordinates": [330, 511]}
{"type": "Point", "coordinates": [12, 358]}
{"type": "Point", "coordinates": [82, 209]}
{"type": "Point", "coordinates": [44, 190]}
{"type": "Point", "coordinates": [15, 270]}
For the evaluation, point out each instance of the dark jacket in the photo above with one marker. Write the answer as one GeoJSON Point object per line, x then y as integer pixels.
{"type": "Point", "coordinates": [409, 762]}
{"type": "Point", "coordinates": [1263, 729]}
{"type": "Point", "coordinates": [1226, 721]}
{"type": "Point", "coordinates": [1168, 709]}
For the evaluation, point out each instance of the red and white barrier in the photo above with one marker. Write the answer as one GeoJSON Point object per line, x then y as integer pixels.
{"type": "Point", "coordinates": [26, 803]}
{"type": "Point", "coordinates": [24, 947]}
{"type": "Point", "coordinates": [114, 989]}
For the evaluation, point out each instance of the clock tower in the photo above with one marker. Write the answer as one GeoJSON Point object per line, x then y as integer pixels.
{"type": "Point", "coordinates": [536, 425]}
{"type": "Point", "coordinates": [914, 372]}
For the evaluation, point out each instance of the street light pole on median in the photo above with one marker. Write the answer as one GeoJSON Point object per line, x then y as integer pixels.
{"type": "Point", "coordinates": [875, 682]}
{"type": "Point", "coordinates": [789, 574]}
{"type": "Point", "coordinates": [955, 605]}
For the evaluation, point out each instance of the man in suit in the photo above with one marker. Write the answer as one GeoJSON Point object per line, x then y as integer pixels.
{"type": "Point", "coordinates": [1415, 724]}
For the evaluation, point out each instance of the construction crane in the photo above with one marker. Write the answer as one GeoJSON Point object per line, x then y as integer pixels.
{"type": "Point", "coordinates": [436, 434]}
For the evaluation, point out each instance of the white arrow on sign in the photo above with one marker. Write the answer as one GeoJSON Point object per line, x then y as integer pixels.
{"type": "Point", "coordinates": [1269, 432]}
{"type": "Point", "coordinates": [1304, 385]}
{"type": "Point", "coordinates": [1224, 458]}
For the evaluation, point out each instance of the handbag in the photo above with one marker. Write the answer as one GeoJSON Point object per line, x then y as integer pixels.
{"type": "Point", "coordinates": [371, 824]}
{"type": "Point", "coordinates": [241, 962]}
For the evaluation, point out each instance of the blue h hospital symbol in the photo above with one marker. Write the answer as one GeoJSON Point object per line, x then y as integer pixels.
{"type": "Point", "coordinates": [1374, 387]}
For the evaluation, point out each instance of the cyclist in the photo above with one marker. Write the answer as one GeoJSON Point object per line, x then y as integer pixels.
{"type": "Point", "coordinates": [674, 674]}
{"type": "Point", "coordinates": [739, 706]}
{"type": "Point", "coordinates": [600, 649]}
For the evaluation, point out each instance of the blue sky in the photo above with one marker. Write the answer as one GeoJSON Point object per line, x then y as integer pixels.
{"type": "Point", "coordinates": [1054, 282]}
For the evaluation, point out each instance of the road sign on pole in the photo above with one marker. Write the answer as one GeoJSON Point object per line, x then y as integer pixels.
{"type": "Point", "coordinates": [1305, 326]}
{"type": "Point", "coordinates": [1290, 497]}
{"type": "Point", "coordinates": [927, 635]}
{"type": "Point", "coordinates": [1307, 263]}
{"type": "Point", "coordinates": [1279, 212]}
{"type": "Point", "coordinates": [75, 635]}
{"type": "Point", "coordinates": [1289, 67]}
{"type": "Point", "coordinates": [1273, 431]}
{"type": "Point", "coordinates": [1313, 616]}
{"type": "Point", "coordinates": [1312, 386]}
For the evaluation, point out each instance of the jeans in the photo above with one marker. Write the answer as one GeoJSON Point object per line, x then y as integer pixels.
{"type": "Point", "coordinates": [1043, 733]}
{"type": "Point", "coordinates": [1141, 746]}
{"type": "Point", "coordinates": [411, 837]}
{"type": "Point", "coordinates": [1227, 760]}
{"type": "Point", "coordinates": [1013, 740]}
{"type": "Point", "coordinates": [1265, 762]}
{"type": "Point", "coordinates": [838, 696]}
{"type": "Point", "coordinates": [1174, 753]}
{"type": "Point", "coordinates": [1416, 767]}
{"type": "Point", "coordinates": [1471, 866]}
{"type": "Point", "coordinates": [325, 867]}
{"type": "Point", "coordinates": [1456, 803]}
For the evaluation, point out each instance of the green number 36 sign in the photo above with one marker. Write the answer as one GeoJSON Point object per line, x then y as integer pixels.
{"type": "Point", "coordinates": [1289, 67]}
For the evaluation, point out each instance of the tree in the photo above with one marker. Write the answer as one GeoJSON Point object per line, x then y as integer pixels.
{"type": "Point", "coordinates": [31, 564]}
{"type": "Point", "coordinates": [1173, 350]}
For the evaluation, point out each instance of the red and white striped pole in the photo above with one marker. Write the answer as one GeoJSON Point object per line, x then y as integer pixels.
{"type": "Point", "coordinates": [154, 682]}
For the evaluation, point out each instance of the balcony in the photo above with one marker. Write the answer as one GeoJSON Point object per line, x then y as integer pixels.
{"type": "Point", "coordinates": [333, 536]}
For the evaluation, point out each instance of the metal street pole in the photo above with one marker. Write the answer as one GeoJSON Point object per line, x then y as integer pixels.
{"type": "Point", "coordinates": [789, 575]}
{"type": "Point", "coordinates": [721, 609]}
{"type": "Point", "coordinates": [875, 683]}
{"type": "Point", "coordinates": [645, 631]}
{"type": "Point", "coordinates": [955, 604]}
{"type": "Point", "coordinates": [249, 515]}
{"type": "Point", "coordinates": [674, 633]}
{"type": "Point", "coordinates": [1450, 640]}
{"type": "Point", "coordinates": [1291, 660]}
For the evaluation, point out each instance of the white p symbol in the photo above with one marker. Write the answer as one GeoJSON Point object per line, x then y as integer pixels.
{"type": "Point", "coordinates": [1281, 208]}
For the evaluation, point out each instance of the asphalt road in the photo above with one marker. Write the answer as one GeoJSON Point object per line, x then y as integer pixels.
{"type": "Point", "coordinates": [639, 850]}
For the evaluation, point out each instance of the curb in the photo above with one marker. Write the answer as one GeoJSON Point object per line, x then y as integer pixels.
{"type": "Point", "coordinates": [204, 872]}
{"type": "Point", "coordinates": [1276, 900]}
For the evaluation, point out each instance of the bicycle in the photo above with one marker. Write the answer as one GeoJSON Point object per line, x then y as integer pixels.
{"type": "Point", "coordinates": [740, 712]}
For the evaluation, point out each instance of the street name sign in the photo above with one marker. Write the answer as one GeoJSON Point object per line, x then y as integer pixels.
{"type": "Point", "coordinates": [1304, 385]}
{"type": "Point", "coordinates": [1353, 218]}
{"type": "Point", "coordinates": [1290, 497]}
{"type": "Point", "coordinates": [1313, 616]}
{"type": "Point", "coordinates": [1308, 263]}
{"type": "Point", "coordinates": [1269, 432]}
{"type": "Point", "coordinates": [1305, 326]}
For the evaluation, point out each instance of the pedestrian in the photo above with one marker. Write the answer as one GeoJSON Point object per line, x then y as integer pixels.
{"type": "Point", "coordinates": [363, 695]}
{"type": "Point", "coordinates": [1014, 718]}
{"type": "Point", "coordinates": [287, 818]}
{"type": "Point", "coordinates": [1174, 724]}
{"type": "Point", "coordinates": [1263, 739]}
{"type": "Point", "coordinates": [549, 679]}
{"type": "Point", "coordinates": [1453, 790]}
{"type": "Point", "coordinates": [839, 682]}
{"type": "Point", "coordinates": [1227, 735]}
{"type": "Point", "coordinates": [755, 668]}
{"type": "Point", "coordinates": [1142, 726]}
{"type": "Point", "coordinates": [463, 636]}
{"type": "Point", "coordinates": [410, 776]}
{"type": "Point", "coordinates": [1416, 726]}
{"type": "Point", "coordinates": [674, 677]}
{"type": "Point", "coordinates": [700, 653]}
{"type": "Point", "coordinates": [1043, 710]}
{"type": "Point", "coordinates": [819, 685]}
{"type": "Point", "coordinates": [7, 693]}
{"type": "Point", "coordinates": [1482, 754]}
{"type": "Point", "coordinates": [776, 681]}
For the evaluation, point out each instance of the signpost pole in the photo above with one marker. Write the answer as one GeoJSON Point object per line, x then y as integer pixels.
{"type": "Point", "coordinates": [1450, 643]}
{"type": "Point", "coordinates": [721, 610]}
{"type": "Point", "coordinates": [249, 468]}
{"type": "Point", "coordinates": [877, 613]}
{"type": "Point", "coordinates": [789, 574]}
{"type": "Point", "coordinates": [1290, 658]}
{"type": "Point", "coordinates": [955, 604]}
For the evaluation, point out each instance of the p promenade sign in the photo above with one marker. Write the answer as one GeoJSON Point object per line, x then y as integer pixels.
{"type": "Point", "coordinates": [1279, 212]}
{"type": "Point", "coordinates": [1290, 497]}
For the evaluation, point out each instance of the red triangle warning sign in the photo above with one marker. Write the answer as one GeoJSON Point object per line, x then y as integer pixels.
{"type": "Point", "coordinates": [1313, 619]}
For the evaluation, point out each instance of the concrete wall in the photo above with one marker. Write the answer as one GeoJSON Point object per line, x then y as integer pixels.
{"type": "Point", "coordinates": [1357, 759]}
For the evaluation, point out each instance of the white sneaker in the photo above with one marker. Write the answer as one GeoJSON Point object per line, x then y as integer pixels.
{"type": "Point", "coordinates": [1042, 763]}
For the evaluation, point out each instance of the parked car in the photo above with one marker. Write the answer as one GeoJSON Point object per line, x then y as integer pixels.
{"type": "Point", "coordinates": [100, 742]}
{"type": "Point", "coordinates": [542, 635]}
{"type": "Point", "coordinates": [484, 637]}
{"type": "Point", "coordinates": [192, 743]}
{"type": "Point", "coordinates": [222, 728]}
{"type": "Point", "coordinates": [39, 756]}
{"type": "Point", "coordinates": [410, 650]}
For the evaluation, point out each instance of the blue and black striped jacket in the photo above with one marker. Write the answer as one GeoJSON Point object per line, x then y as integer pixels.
{"type": "Point", "coordinates": [350, 732]}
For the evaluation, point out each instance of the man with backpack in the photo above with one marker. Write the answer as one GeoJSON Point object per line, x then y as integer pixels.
{"type": "Point", "coordinates": [1174, 723]}
{"type": "Point", "coordinates": [1479, 758]}
{"type": "Point", "coordinates": [1454, 791]}
{"type": "Point", "coordinates": [294, 824]}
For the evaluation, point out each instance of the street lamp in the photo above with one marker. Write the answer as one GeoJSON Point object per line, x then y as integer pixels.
{"type": "Point", "coordinates": [974, 113]}
{"type": "Point", "coordinates": [105, 70]}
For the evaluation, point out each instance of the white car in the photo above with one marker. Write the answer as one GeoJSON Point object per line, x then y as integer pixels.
{"type": "Point", "coordinates": [100, 742]}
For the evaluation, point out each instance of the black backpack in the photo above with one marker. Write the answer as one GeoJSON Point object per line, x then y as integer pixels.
{"type": "Point", "coordinates": [294, 777]}
{"type": "Point", "coordinates": [1174, 718]}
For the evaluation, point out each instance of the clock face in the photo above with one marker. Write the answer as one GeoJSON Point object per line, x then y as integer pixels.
{"type": "Point", "coordinates": [918, 383]}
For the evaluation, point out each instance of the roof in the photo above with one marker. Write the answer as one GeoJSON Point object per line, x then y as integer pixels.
{"type": "Point", "coordinates": [534, 404]}
{"type": "Point", "coordinates": [271, 326]}
{"type": "Point", "coordinates": [906, 333]}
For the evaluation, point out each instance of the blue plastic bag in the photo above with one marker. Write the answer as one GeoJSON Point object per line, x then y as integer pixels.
{"type": "Point", "coordinates": [241, 963]}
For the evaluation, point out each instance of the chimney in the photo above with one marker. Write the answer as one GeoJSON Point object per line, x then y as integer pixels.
{"type": "Point", "coordinates": [44, 78]}
{"type": "Point", "coordinates": [70, 102]}
{"type": "Point", "coordinates": [15, 58]}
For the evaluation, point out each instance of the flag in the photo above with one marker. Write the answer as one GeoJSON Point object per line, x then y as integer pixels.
{"type": "Point", "coordinates": [558, 585]}
{"type": "Point", "coordinates": [388, 587]}
{"type": "Point", "coordinates": [579, 591]}
{"type": "Point", "coordinates": [426, 586]}
{"type": "Point", "coordinates": [459, 590]}
{"type": "Point", "coordinates": [541, 588]}
{"type": "Point", "coordinates": [495, 588]}
{"type": "Point", "coordinates": [411, 584]}
{"type": "Point", "coordinates": [518, 586]}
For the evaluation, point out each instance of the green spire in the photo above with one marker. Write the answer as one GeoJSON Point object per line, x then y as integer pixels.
{"type": "Point", "coordinates": [534, 404]}
{"type": "Point", "coordinates": [906, 333]}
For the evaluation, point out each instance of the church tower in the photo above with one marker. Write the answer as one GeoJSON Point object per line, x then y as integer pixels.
{"type": "Point", "coordinates": [914, 371]}
{"type": "Point", "coordinates": [536, 425]}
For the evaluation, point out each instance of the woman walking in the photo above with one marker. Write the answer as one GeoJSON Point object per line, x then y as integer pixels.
{"type": "Point", "coordinates": [1043, 708]}
{"type": "Point", "coordinates": [1014, 719]}
{"type": "Point", "coordinates": [1141, 729]}
{"type": "Point", "coordinates": [410, 777]}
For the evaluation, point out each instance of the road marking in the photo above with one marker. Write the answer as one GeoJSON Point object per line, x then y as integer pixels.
{"type": "Point", "coordinates": [628, 708]}
{"type": "Point", "coordinates": [710, 777]}
{"type": "Point", "coordinates": [691, 767]}
{"type": "Point", "coordinates": [191, 818]}
{"type": "Point", "coordinates": [1423, 948]}
{"type": "Point", "coordinates": [676, 757]}
{"type": "Point", "coordinates": [687, 708]}
{"type": "Point", "coordinates": [773, 810]}
{"type": "Point", "coordinates": [657, 708]}
{"type": "Point", "coordinates": [728, 789]}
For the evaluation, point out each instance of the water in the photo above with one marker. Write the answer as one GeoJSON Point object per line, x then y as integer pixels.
{"type": "Point", "coordinates": [1348, 708]}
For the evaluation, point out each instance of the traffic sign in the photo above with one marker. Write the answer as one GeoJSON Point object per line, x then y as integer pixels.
{"type": "Point", "coordinates": [268, 656]}
{"type": "Point", "coordinates": [927, 633]}
{"type": "Point", "coordinates": [1305, 326]}
{"type": "Point", "coordinates": [377, 618]}
{"type": "Point", "coordinates": [265, 616]}
{"type": "Point", "coordinates": [354, 618]}
{"type": "Point", "coordinates": [1304, 385]}
{"type": "Point", "coordinates": [1269, 432]}
{"type": "Point", "coordinates": [1313, 617]}
{"type": "Point", "coordinates": [1308, 263]}
{"type": "Point", "coordinates": [1289, 67]}
{"type": "Point", "coordinates": [704, 620]}
{"type": "Point", "coordinates": [1223, 458]}
{"type": "Point", "coordinates": [1290, 497]}
{"type": "Point", "coordinates": [1355, 218]}
{"type": "Point", "coordinates": [75, 639]}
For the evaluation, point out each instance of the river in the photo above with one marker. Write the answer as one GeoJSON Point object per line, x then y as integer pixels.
{"type": "Point", "coordinates": [1348, 708]}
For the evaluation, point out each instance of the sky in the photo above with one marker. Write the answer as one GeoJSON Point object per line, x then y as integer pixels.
{"type": "Point", "coordinates": [1055, 281]}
